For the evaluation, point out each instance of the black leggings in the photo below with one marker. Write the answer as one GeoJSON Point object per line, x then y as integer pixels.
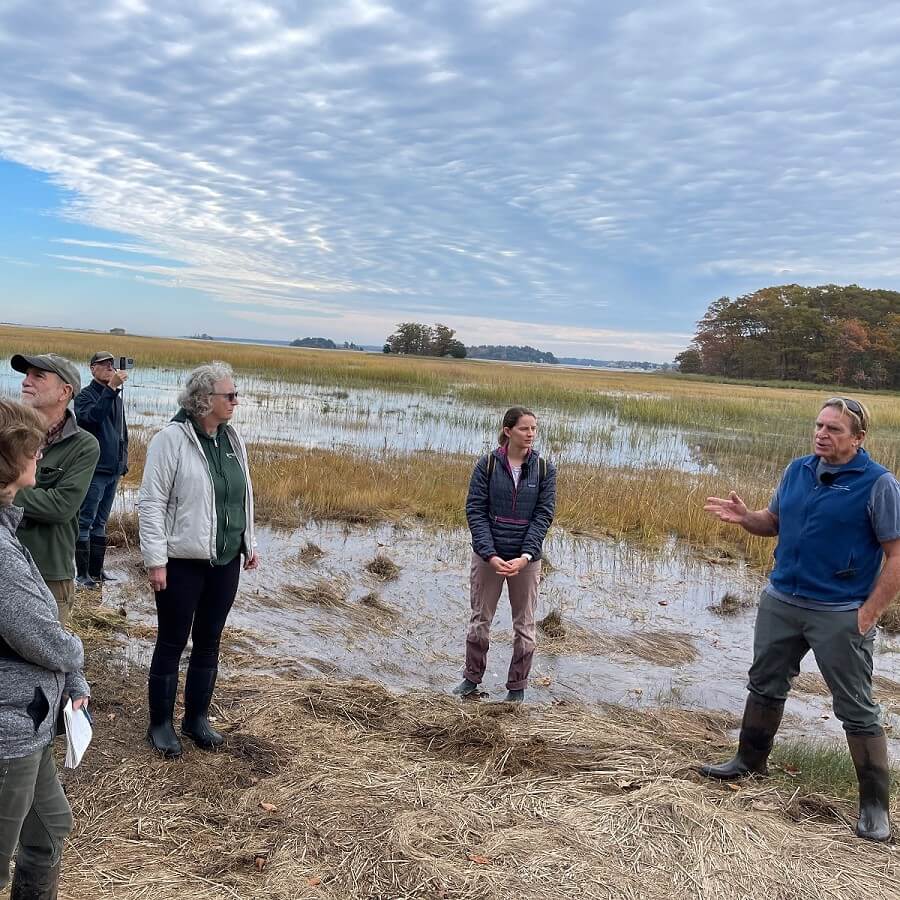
{"type": "Point", "coordinates": [196, 602]}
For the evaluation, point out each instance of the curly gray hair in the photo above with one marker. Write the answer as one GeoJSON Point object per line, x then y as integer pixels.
{"type": "Point", "coordinates": [200, 384]}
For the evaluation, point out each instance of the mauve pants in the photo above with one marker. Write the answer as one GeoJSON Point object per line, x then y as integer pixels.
{"type": "Point", "coordinates": [485, 588]}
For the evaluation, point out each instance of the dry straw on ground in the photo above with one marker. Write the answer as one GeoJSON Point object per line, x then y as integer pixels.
{"type": "Point", "coordinates": [383, 567]}
{"type": "Point", "coordinates": [344, 790]}
{"type": "Point", "coordinates": [663, 648]}
{"type": "Point", "coordinates": [322, 592]}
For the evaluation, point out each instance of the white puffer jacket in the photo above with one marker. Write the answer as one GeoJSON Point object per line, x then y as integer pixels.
{"type": "Point", "coordinates": [176, 503]}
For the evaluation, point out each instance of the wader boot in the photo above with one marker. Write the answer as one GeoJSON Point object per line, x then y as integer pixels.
{"type": "Point", "coordinates": [198, 691]}
{"type": "Point", "coordinates": [869, 754]}
{"type": "Point", "coordinates": [35, 884]}
{"type": "Point", "coordinates": [82, 560]}
{"type": "Point", "coordinates": [517, 696]}
{"type": "Point", "coordinates": [95, 560]}
{"type": "Point", "coordinates": [161, 691]}
{"type": "Point", "coordinates": [762, 716]}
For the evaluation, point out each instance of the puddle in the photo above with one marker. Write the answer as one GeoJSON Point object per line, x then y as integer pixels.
{"type": "Point", "coordinates": [408, 632]}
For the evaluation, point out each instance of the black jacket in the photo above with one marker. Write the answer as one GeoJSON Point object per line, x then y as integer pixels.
{"type": "Point", "coordinates": [100, 411]}
{"type": "Point", "coordinates": [507, 521]}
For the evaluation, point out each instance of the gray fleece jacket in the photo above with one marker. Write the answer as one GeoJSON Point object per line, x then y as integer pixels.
{"type": "Point", "coordinates": [39, 659]}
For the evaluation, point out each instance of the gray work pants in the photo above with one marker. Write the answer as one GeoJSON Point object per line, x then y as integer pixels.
{"type": "Point", "coordinates": [784, 634]}
{"type": "Point", "coordinates": [34, 813]}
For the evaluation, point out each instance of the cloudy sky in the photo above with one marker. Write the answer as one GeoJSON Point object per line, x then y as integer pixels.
{"type": "Point", "coordinates": [584, 177]}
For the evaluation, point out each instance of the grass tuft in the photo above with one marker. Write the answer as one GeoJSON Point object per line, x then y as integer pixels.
{"type": "Point", "coordinates": [383, 567]}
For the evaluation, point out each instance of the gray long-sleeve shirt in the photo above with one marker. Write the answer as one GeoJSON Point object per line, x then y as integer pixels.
{"type": "Point", "coordinates": [39, 659]}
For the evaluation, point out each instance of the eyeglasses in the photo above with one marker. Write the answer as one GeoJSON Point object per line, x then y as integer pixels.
{"type": "Point", "coordinates": [231, 396]}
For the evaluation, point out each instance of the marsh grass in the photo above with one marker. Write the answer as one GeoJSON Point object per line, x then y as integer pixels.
{"type": "Point", "coordinates": [818, 767]}
{"type": "Point", "coordinates": [648, 506]}
{"type": "Point", "coordinates": [743, 436]}
{"type": "Point", "coordinates": [122, 529]}
{"type": "Point", "coordinates": [659, 399]}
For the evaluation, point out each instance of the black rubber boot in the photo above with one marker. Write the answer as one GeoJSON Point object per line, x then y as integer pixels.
{"type": "Point", "coordinates": [35, 884]}
{"type": "Point", "coordinates": [762, 716]}
{"type": "Point", "coordinates": [517, 696]}
{"type": "Point", "coordinates": [466, 688]}
{"type": "Point", "coordinates": [82, 560]}
{"type": "Point", "coordinates": [869, 754]}
{"type": "Point", "coordinates": [161, 691]}
{"type": "Point", "coordinates": [95, 560]}
{"type": "Point", "coordinates": [198, 691]}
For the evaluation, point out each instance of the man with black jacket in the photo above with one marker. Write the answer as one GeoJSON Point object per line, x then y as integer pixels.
{"type": "Point", "coordinates": [100, 410]}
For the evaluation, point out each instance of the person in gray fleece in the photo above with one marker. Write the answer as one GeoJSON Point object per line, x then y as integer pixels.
{"type": "Point", "coordinates": [39, 661]}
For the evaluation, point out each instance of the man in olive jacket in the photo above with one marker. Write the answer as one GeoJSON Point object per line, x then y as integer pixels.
{"type": "Point", "coordinates": [49, 526]}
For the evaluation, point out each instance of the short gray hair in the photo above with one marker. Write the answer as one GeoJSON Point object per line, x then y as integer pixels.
{"type": "Point", "coordinates": [200, 385]}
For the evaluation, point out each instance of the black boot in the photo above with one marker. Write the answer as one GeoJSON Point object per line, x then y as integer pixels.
{"type": "Point", "coordinates": [161, 691]}
{"type": "Point", "coordinates": [762, 716]}
{"type": "Point", "coordinates": [869, 754]}
{"type": "Point", "coordinates": [35, 884]}
{"type": "Point", "coordinates": [198, 691]}
{"type": "Point", "coordinates": [95, 560]}
{"type": "Point", "coordinates": [82, 559]}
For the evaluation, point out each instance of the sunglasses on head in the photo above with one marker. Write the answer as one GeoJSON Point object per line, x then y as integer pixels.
{"type": "Point", "coordinates": [231, 396]}
{"type": "Point", "coordinates": [852, 405]}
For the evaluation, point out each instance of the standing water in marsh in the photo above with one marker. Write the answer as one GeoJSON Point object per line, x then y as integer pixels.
{"type": "Point", "coordinates": [636, 628]}
{"type": "Point", "coordinates": [369, 420]}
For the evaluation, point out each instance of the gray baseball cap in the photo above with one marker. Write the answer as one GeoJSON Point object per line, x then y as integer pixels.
{"type": "Point", "coordinates": [49, 362]}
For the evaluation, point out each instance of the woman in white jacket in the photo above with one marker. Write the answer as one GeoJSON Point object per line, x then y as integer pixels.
{"type": "Point", "coordinates": [196, 524]}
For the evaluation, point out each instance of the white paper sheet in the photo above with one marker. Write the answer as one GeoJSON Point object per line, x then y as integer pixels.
{"type": "Point", "coordinates": [78, 734]}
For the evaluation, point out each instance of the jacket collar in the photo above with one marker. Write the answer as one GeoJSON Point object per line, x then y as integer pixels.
{"type": "Point", "coordinates": [503, 455]}
{"type": "Point", "coordinates": [69, 428]}
{"type": "Point", "coordinates": [859, 463]}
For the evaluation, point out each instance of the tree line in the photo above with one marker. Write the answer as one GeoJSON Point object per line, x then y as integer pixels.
{"type": "Point", "coordinates": [511, 353]}
{"type": "Point", "coordinates": [829, 334]}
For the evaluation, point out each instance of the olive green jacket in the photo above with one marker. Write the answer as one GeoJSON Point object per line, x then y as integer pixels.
{"type": "Point", "coordinates": [49, 527]}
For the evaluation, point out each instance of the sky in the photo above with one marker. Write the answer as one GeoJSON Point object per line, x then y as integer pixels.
{"type": "Point", "coordinates": [584, 177]}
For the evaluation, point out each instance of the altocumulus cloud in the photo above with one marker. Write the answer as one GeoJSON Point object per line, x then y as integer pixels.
{"type": "Point", "coordinates": [502, 165]}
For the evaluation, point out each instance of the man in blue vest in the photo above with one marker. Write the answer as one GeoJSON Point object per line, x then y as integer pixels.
{"type": "Point", "coordinates": [836, 514]}
{"type": "Point", "coordinates": [100, 410]}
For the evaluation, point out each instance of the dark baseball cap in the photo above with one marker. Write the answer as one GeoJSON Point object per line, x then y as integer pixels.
{"type": "Point", "coordinates": [49, 362]}
{"type": "Point", "coordinates": [101, 356]}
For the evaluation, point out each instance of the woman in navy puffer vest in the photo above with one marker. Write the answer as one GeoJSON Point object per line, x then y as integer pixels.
{"type": "Point", "coordinates": [512, 496]}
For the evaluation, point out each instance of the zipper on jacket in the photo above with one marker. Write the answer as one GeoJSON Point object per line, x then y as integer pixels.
{"type": "Point", "coordinates": [196, 441]}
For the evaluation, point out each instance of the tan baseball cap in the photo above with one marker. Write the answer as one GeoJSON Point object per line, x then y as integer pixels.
{"type": "Point", "coordinates": [49, 362]}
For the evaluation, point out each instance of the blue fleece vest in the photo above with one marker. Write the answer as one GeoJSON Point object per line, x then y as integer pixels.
{"type": "Point", "coordinates": [827, 549]}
